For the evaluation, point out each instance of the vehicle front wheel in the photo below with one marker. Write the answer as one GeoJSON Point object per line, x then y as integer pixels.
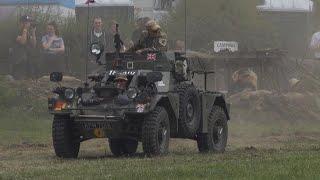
{"type": "Point", "coordinates": [65, 142]}
{"type": "Point", "coordinates": [216, 138]}
{"type": "Point", "coordinates": [156, 132]}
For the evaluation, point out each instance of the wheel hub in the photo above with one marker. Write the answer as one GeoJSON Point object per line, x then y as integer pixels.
{"type": "Point", "coordinates": [218, 133]}
{"type": "Point", "coordinates": [162, 134]}
{"type": "Point", "coordinates": [190, 110]}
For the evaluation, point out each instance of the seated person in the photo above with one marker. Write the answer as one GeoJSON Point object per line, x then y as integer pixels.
{"type": "Point", "coordinates": [152, 39]}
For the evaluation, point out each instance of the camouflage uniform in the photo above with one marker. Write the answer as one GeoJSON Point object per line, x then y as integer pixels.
{"type": "Point", "coordinates": [153, 39]}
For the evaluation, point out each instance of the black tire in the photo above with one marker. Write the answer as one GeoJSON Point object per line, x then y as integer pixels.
{"type": "Point", "coordinates": [121, 147]}
{"type": "Point", "coordinates": [65, 142]}
{"type": "Point", "coordinates": [156, 132]}
{"type": "Point", "coordinates": [189, 110]}
{"type": "Point", "coordinates": [216, 138]}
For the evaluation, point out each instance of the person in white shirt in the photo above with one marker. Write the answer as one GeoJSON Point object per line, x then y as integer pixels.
{"type": "Point", "coordinates": [315, 44]}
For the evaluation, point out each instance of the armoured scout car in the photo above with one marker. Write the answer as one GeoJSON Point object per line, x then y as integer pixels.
{"type": "Point", "coordinates": [159, 102]}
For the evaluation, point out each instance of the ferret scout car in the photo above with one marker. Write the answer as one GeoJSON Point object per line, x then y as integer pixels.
{"type": "Point", "coordinates": [147, 97]}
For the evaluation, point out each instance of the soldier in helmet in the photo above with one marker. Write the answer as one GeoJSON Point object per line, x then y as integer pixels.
{"type": "Point", "coordinates": [152, 39]}
{"type": "Point", "coordinates": [244, 79]}
{"type": "Point", "coordinates": [121, 82]}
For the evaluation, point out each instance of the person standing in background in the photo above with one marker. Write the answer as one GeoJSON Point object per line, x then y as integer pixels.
{"type": "Point", "coordinates": [97, 35]}
{"type": "Point", "coordinates": [53, 50]}
{"type": "Point", "coordinates": [110, 37]}
{"type": "Point", "coordinates": [26, 42]}
{"type": "Point", "coordinates": [315, 45]}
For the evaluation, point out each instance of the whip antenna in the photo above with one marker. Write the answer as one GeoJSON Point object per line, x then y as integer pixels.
{"type": "Point", "coordinates": [88, 19]}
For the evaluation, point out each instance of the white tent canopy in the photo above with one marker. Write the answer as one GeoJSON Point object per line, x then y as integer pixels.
{"type": "Point", "coordinates": [106, 3]}
{"type": "Point", "coordinates": [287, 5]}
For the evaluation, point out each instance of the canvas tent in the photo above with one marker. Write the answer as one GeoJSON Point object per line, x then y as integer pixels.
{"type": "Point", "coordinates": [120, 10]}
{"type": "Point", "coordinates": [80, 3]}
{"type": "Point", "coordinates": [287, 5]}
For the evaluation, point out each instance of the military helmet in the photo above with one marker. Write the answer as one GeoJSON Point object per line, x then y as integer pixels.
{"type": "Point", "coordinates": [121, 77]}
{"type": "Point", "coordinates": [293, 82]}
{"type": "Point", "coordinates": [152, 25]}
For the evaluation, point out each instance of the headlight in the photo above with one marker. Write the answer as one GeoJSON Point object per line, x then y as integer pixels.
{"type": "Point", "coordinates": [69, 94]}
{"type": "Point", "coordinates": [96, 49]}
{"type": "Point", "coordinates": [132, 93]}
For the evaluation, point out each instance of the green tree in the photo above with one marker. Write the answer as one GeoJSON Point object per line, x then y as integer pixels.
{"type": "Point", "coordinates": [205, 21]}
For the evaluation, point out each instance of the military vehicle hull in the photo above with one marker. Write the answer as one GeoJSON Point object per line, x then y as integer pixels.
{"type": "Point", "coordinates": [158, 104]}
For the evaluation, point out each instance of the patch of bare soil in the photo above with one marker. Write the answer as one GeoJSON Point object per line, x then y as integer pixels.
{"type": "Point", "coordinates": [292, 106]}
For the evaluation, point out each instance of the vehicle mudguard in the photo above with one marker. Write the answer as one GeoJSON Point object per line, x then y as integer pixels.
{"type": "Point", "coordinates": [171, 99]}
{"type": "Point", "coordinates": [208, 100]}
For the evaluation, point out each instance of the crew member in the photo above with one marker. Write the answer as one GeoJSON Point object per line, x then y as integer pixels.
{"type": "Point", "coordinates": [140, 27]}
{"type": "Point", "coordinates": [152, 39]}
{"type": "Point", "coordinates": [121, 82]}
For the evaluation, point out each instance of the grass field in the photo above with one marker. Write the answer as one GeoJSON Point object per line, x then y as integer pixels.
{"type": "Point", "coordinates": [294, 160]}
{"type": "Point", "coordinates": [258, 149]}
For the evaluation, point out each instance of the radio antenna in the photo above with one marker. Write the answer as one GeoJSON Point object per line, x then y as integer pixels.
{"type": "Point", "coordinates": [88, 19]}
{"type": "Point", "coordinates": [186, 26]}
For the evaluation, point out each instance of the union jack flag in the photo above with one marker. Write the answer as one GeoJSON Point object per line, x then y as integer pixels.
{"type": "Point", "coordinates": [152, 57]}
{"type": "Point", "coordinates": [90, 1]}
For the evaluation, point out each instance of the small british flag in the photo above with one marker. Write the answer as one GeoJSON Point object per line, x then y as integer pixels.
{"type": "Point", "coordinates": [152, 57]}
{"type": "Point", "coordinates": [90, 1]}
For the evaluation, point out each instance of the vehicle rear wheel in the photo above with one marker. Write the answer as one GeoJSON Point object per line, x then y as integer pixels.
{"type": "Point", "coordinates": [189, 110]}
{"type": "Point", "coordinates": [156, 132]}
{"type": "Point", "coordinates": [120, 147]}
{"type": "Point", "coordinates": [65, 142]}
{"type": "Point", "coordinates": [216, 138]}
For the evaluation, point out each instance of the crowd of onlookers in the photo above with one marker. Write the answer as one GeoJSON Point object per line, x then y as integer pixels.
{"type": "Point", "coordinates": [23, 55]}
{"type": "Point", "coordinates": [25, 61]}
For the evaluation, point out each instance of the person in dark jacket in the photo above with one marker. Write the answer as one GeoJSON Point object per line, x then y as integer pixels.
{"type": "Point", "coordinates": [26, 42]}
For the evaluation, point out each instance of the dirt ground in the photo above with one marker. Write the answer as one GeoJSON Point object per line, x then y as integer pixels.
{"type": "Point", "coordinates": [267, 138]}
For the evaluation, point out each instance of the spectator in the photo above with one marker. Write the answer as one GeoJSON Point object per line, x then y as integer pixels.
{"type": "Point", "coordinates": [110, 37]}
{"type": "Point", "coordinates": [180, 46]}
{"type": "Point", "coordinates": [315, 44]}
{"type": "Point", "coordinates": [98, 35]}
{"type": "Point", "coordinates": [53, 50]}
{"type": "Point", "coordinates": [26, 42]}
